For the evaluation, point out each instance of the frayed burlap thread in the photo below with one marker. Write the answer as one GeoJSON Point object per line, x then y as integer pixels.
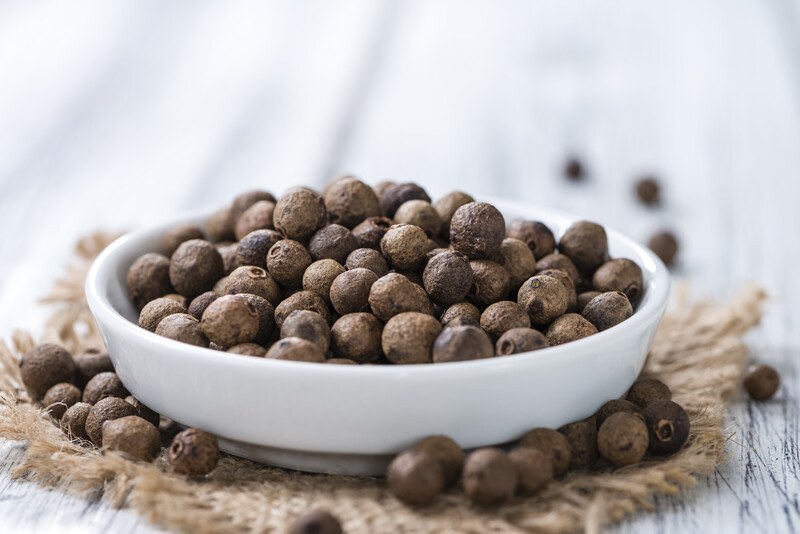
{"type": "Point", "coordinates": [698, 352]}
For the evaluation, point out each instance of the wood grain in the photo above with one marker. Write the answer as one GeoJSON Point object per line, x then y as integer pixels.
{"type": "Point", "coordinates": [113, 115]}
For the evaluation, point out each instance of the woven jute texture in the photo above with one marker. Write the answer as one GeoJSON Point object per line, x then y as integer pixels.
{"type": "Point", "coordinates": [698, 352]}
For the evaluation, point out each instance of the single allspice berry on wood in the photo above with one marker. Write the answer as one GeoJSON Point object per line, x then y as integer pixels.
{"type": "Point", "coordinates": [536, 235]}
{"type": "Point", "coordinates": [668, 425]}
{"type": "Point", "coordinates": [607, 310]}
{"type": "Point", "coordinates": [489, 477]}
{"type": "Point", "coordinates": [477, 229]}
{"type": "Point", "coordinates": [415, 476]}
{"type": "Point", "coordinates": [193, 452]}
{"type": "Point", "coordinates": [106, 410]}
{"type": "Point", "coordinates": [194, 267]}
{"type": "Point", "coordinates": [299, 213]}
{"type": "Point", "coordinates": [104, 385]}
{"type": "Point", "coordinates": [646, 391]}
{"type": "Point", "coordinates": [155, 310]}
{"type": "Point", "coordinates": [762, 382]}
{"type": "Point", "coordinates": [44, 366]}
{"type": "Point", "coordinates": [132, 436]}
{"type": "Point", "coordinates": [534, 468]}
{"type": "Point", "coordinates": [517, 340]}
{"type": "Point", "coordinates": [582, 437]}
{"type": "Point", "coordinates": [59, 398]}
{"type": "Point", "coordinates": [615, 406]}
{"type": "Point", "coordinates": [148, 279]}
{"type": "Point", "coordinates": [462, 343]}
{"type": "Point", "coordinates": [622, 439]}
{"type": "Point", "coordinates": [447, 452]}
{"type": "Point", "coordinates": [316, 522]}
{"type": "Point", "coordinates": [553, 443]}
{"type": "Point", "coordinates": [586, 244]}
{"type": "Point", "coordinates": [73, 422]}
{"type": "Point", "coordinates": [357, 336]}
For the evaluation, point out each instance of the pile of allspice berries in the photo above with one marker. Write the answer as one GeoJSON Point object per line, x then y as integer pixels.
{"type": "Point", "coordinates": [344, 275]}
{"type": "Point", "coordinates": [84, 395]}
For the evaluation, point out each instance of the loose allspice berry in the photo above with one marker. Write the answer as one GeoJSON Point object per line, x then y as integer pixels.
{"type": "Point", "coordinates": [615, 406]}
{"type": "Point", "coordinates": [489, 477]}
{"type": "Point", "coordinates": [404, 246]}
{"type": "Point", "coordinates": [490, 282]}
{"type": "Point", "coordinates": [646, 391]}
{"type": "Point", "coordinates": [148, 279]}
{"type": "Point", "coordinates": [349, 201]}
{"type": "Point", "coordinates": [307, 325]}
{"type": "Point", "coordinates": [517, 259]}
{"type": "Point", "coordinates": [584, 299]}
{"type": "Point", "coordinates": [394, 293]}
{"type": "Point", "coordinates": [256, 217]}
{"type": "Point", "coordinates": [461, 343]}
{"type": "Point", "coordinates": [396, 195]}
{"type": "Point", "coordinates": [665, 246]}
{"type": "Point", "coordinates": [447, 206]}
{"type": "Point", "coordinates": [184, 328]}
{"type": "Point", "coordinates": [573, 169]}
{"type": "Point", "coordinates": [194, 267]}
{"type": "Point", "coordinates": [534, 469]}
{"type": "Point", "coordinates": [103, 385]}
{"type": "Point", "coordinates": [357, 336]}
{"type": "Point", "coordinates": [230, 320]}
{"type": "Point", "coordinates": [90, 363]}
{"type": "Point", "coordinates": [193, 452]}
{"type": "Point", "coordinates": [586, 244]}
{"type": "Point", "coordinates": [316, 522]}
{"type": "Point", "coordinates": [648, 190]}
{"type": "Point", "coordinates": [266, 314]}
{"type": "Point", "coordinates": [350, 291]}
{"type": "Point", "coordinates": [568, 284]}
{"type": "Point", "coordinates": [220, 226]}
{"type": "Point", "coordinates": [143, 411]}
{"type": "Point", "coordinates": [44, 366]}
{"type": "Point", "coordinates": [668, 426]}
{"type": "Point", "coordinates": [199, 304]}
{"type": "Point", "coordinates": [367, 258]}
{"type": "Point", "coordinates": [569, 327]}
{"type": "Point", "coordinates": [447, 452]}
{"type": "Point", "coordinates": [622, 439]}
{"type": "Point", "coordinates": [302, 300]}
{"type": "Point", "coordinates": [287, 261]}
{"type": "Point", "coordinates": [517, 340]}
{"type": "Point", "coordinates": [248, 199]}
{"type": "Point", "coordinates": [106, 409]}
{"type": "Point", "coordinates": [59, 398]}
{"type": "Point", "coordinates": [553, 443]}
{"type": "Point", "coordinates": [319, 277]}
{"type": "Point", "coordinates": [408, 338]}
{"type": "Point", "coordinates": [544, 298]}
{"type": "Point", "coordinates": [73, 422]}
{"type": "Point", "coordinates": [132, 436]}
{"type": "Point", "coordinates": [229, 259]}
{"type": "Point", "coordinates": [174, 237]}
{"type": "Point", "coordinates": [415, 476]}
{"type": "Point", "coordinates": [558, 261]}
{"type": "Point", "coordinates": [620, 274]}
{"type": "Point", "coordinates": [607, 310]}
{"type": "Point", "coordinates": [582, 437]}
{"type": "Point", "coordinates": [536, 235]}
{"type": "Point", "coordinates": [762, 382]}
{"type": "Point", "coordinates": [477, 229]}
{"type": "Point", "coordinates": [447, 278]}
{"type": "Point", "coordinates": [296, 349]}
{"type": "Point", "coordinates": [369, 232]}
{"type": "Point", "coordinates": [180, 299]}
{"type": "Point", "coordinates": [500, 317]}
{"type": "Point", "coordinates": [420, 213]}
{"type": "Point", "coordinates": [459, 310]}
{"type": "Point", "coordinates": [299, 213]}
{"type": "Point", "coordinates": [253, 248]}
{"type": "Point", "coordinates": [333, 242]}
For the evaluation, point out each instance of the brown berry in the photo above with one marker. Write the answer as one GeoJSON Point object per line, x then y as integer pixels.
{"type": "Point", "coordinates": [461, 309]}
{"type": "Point", "coordinates": [253, 248]}
{"type": "Point", "coordinates": [297, 350]}
{"type": "Point", "coordinates": [194, 268]}
{"type": "Point", "coordinates": [553, 443]}
{"type": "Point", "coordinates": [415, 477]}
{"type": "Point", "coordinates": [173, 238]}
{"type": "Point", "coordinates": [106, 409]}
{"type": "Point", "coordinates": [349, 201]}
{"type": "Point", "coordinates": [564, 278]}
{"type": "Point", "coordinates": [584, 299]}
{"type": "Point", "coordinates": [256, 217]}
{"type": "Point", "coordinates": [248, 349]}
{"type": "Point", "coordinates": [369, 233]}
{"type": "Point", "coordinates": [582, 437]}
{"type": "Point", "coordinates": [447, 278]}
{"type": "Point", "coordinates": [420, 213]}
{"type": "Point", "coordinates": [534, 468]}
{"type": "Point", "coordinates": [367, 258]}
{"type": "Point", "coordinates": [394, 293]}
{"type": "Point", "coordinates": [266, 317]}
{"type": "Point", "coordinates": [287, 260]}
{"type": "Point", "coordinates": [332, 242]}
{"type": "Point", "coordinates": [143, 411]}
{"type": "Point", "coordinates": [230, 320]}
{"type": "Point", "coordinates": [561, 262]}
{"type": "Point", "coordinates": [248, 199]}
{"type": "Point", "coordinates": [569, 327]}
{"type": "Point", "coordinates": [104, 385]}
{"type": "Point", "coordinates": [447, 206]}
{"type": "Point", "coordinates": [536, 235]}
{"type": "Point", "coordinates": [302, 300]}
{"type": "Point", "coordinates": [350, 291]}
{"type": "Point", "coordinates": [404, 246]}
{"type": "Point", "coordinates": [665, 246]}
{"type": "Point", "coordinates": [490, 282]}
{"type": "Point", "coordinates": [299, 213]}
{"type": "Point", "coordinates": [357, 336]}
{"type": "Point", "coordinates": [477, 229]}
{"type": "Point", "coordinates": [517, 259]}
{"type": "Point", "coordinates": [502, 316]}
{"type": "Point", "coordinates": [544, 298]}
{"type": "Point", "coordinates": [200, 303]}
{"type": "Point", "coordinates": [519, 340]}
{"type": "Point", "coordinates": [132, 436]}
{"type": "Point", "coordinates": [193, 452]}
{"type": "Point", "coordinates": [607, 310]}
{"type": "Point", "coordinates": [90, 363]}
{"type": "Point", "coordinates": [408, 338]}
{"type": "Point", "coordinates": [148, 279]}
{"type": "Point", "coordinates": [762, 382]}
{"type": "Point", "coordinates": [586, 244]}
{"type": "Point", "coordinates": [489, 477]}
{"type": "Point", "coordinates": [315, 522]}
{"type": "Point", "coordinates": [646, 391]}
{"type": "Point", "coordinates": [229, 259]}
{"type": "Point", "coordinates": [668, 425]}
{"type": "Point", "coordinates": [182, 327]}
{"type": "Point", "coordinates": [319, 277]}
{"type": "Point", "coordinates": [220, 225]}
{"type": "Point", "coordinates": [307, 325]}
{"type": "Point", "coordinates": [461, 343]}
{"type": "Point", "coordinates": [648, 190]}
{"type": "Point", "coordinates": [73, 422]}
{"type": "Point", "coordinates": [573, 169]}
{"type": "Point", "coordinates": [59, 398]}
{"type": "Point", "coordinates": [622, 275]}
{"type": "Point", "coordinates": [447, 453]}
{"type": "Point", "coordinates": [622, 439]}
{"type": "Point", "coordinates": [395, 196]}
{"type": "Point", "coordinates": [44, 366]}
{"type": "Point", "coordinates": [615, 406]}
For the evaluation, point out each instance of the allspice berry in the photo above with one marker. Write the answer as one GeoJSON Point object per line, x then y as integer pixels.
{"type": "Point", "coordinates": [173, 238]}
{"type": "Point", "coordinates": [569, 327]}
{"type": "Point", "coordinates": [502, 316]}
{"type": "Point", "coordinates": [319, 277]}
{"type": "Point", "coordinates": [396, 195]}
{"type": "Point", "coordinates": [287, 261]}
{"type": "Point", "coordinates": [229, 259]}
{"type": "Point", "coordinates": [155, 310]}
{"type": "Point", "coordinates": [106, 409]}
{"type": "Point", "coordinates": [59, 398]}
{"type": "Point", "coordinates": [182, 327]}
{"type": "Point", "coordinates": [668, 425]}
{"type": "Point", "coordinates": [367, 258]}
{"type": "Point", "coordinates": [307, 325]}
{"type": "Point", "coordinates": [350, 291]}
{"type": "Point", "coordinates": [248, 199]}
{"type": "Point", "coordinates": [415, 477]}
{"type": "Point", "coordinates": [253, 248]}
{"type": "Point", "coordinates": [266, 317]}
{"type": "Point", "coordinates": [553, 443]}
{"type": "Point", "coordinates": [564, 278]}
{"type": "Point", "coordinates": [517, 259]}
{"type": "Point", "coordinates": [408, 338]}
{"type": "Point", "coordinates": [193, 452]}
{"type": "Point", "coordinates": [461, 343]}
{"type": "Point", "coordinates": [477, 229]}
{"type": "Point", "coordinates": [369, 232]}
{"type": "Point", "coordinates": [194, 268]}
{"type": "Point", "coordinates": [534, 468]}
{"type": "Point", "coordinates": [332, 242]}
{"type": "Point", "coordinates": [573, 169]}
{"type": "Point", "coordinates": [490, 477]}
{"type": "Point", "coordinates": [143, 411]}
{"type": "Point", "coordinates": [44, 366]}
{"type": "Point", "coordinates": [180, 299]}
{"type": "Point", "coordinates": [561, 262]}
{"type": "Point", "coordinates": [230, 320]}
{"type": "Point", "coordinates": [584, 299]}
{"type": "Point", "coordinates": [490, 282]}
{"type": "Point", "coordinates": [615, 406]}
{"type": "Point", "coordinates": [762, 382]}
{"type": "Point", "coordinates": [199, 304]}
{"type": "Point", "coordinates": [404, 246]}
{"type": "Point", "coordinates": [349, 201]}
{"type": "Point", "coordinates": [148, 279]}
{"type": "Point", "coordinates": [296, 349]}
{"type": "Point", "coordinates": [73, 422]}
{"type": "Point", "coordinates": [582, 437]}
{"type": "Point", "coordinates": [622, 275]}
{"type": "Point", "coordinates": [536, 235]}
{"type": "Point", "coordinates": [220, 225]}
{"type": "Point", "coordinates": [90, 363]}
{"type": "Point", "coordinates": [256, 217]}
{"type": "Point", "coordinates": [357, 336]}
{"type": "Point", "coordinates": [519, 340]}
{"type": "Point", "coordinates": [447, 452]}
{"type": "Point", "coordinates": [586, 244]}
{"type": "Point", "coordinates": [622, 439]}
{"type": "Point", "coordinates": [646, 391]}
{"type": "Point", "coordinates": [607, 310]}
{"type": "Point", "coordinates": [447, 277]}
{"type": "Point", "coordinates": [104, 385]}
{"type": "Point", "coordinates": [544, 298]}
{"type": "Point", "coordinates": [394, 293]}
{"type": "Point", "coordinates": [648, 191]}
{"type": "Point", "coordinates": [420, 213]}
{"type": "Point", "coordinates": [665, 246]}
{"type": "Point", "coordinates": [461, 309]}
{"type": "Point", "coordinates": [299, 213]}
{"type": "Point", "coordinates": [316, 522]}
{"type": "Point", "coordinates": [447, 206]}
{"type": "Point", "coordinates": [248, 349]}
{"type": "Point", "coordinates": [302, 300]}
{"type": "Point", "coordinates": [132, 436]}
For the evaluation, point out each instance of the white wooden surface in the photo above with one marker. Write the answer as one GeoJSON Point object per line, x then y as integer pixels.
{"type": "Point", "coordinates": [116, 113]}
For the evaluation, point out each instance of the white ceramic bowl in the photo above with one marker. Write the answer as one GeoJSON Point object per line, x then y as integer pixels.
{"type": "Point", "coordinates": [350, 419]}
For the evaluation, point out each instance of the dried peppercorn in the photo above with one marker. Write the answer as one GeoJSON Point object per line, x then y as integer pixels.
{"type": "Point", "coordinates": [569, 327]}
{"type": "Point", "coordinates": [477, 229]}
{"type": "Point", "coordinates": [367, 258]}
{"type": "Point", "coordinates": [394, 293]}
{"type": "Point", "coordinates": [762, 382]}
{"type": "Point", "coordinates": [404, 246]}
{"type": "Point", "coordinates": [665, 246]}
{"type": "Point", "coordinates": [517, 259]}
{"type": "Point", "coordinates": [582, 437]}
{"type": "Point", "coordinates": [668, 425]}
{"type": "Point", "coordinates": [90, 363]}
{"type": "Point", "coordinates": [319, 277]}
{"type": "Point", "coordinates": [420, 213]}
{"type": "Point", "coordinates": [248, 199]}
{"type": "Point", "coordinates": [573, 169]}
{"type": "Point", "coordinates": [490, 282]}
{"type": "Point", "coordinates": [447, 206]}
{"type": "Point", "coordinates": [44, 366]}
{"type": "Point", "coordinates": [415, 477]}
{"type": "Point", "coordinates": [607, 310]}
{"type": "Point", "coordinates": [287, 261]}
{"type": "Point", "coordinates": [350, 291]}
{"type": "Point", "coordinates": [148, 279]}
{"type": "Point", "coordinates": [648, 190]}
{"type": "Point", "coordinates": [561, 262]}
{"type": "Point", "coordinates": [182, 327]}
{"type": "Point", "coordinates": [646, 391]}
{"type": "Point", "coordinates": [143, 411]}
{"type": "Point", "coordinates": [622, 439]}
{"type": "Point", "coordinates": [253, 248]}
{"type": "Point", "coordinates": [370, 231]}
{"type": "Point", "coordinates": [553, 443]}
{"type": "Point", "coordinates": [447, 278]}
{"type": "Point", "coordinates": [104, 385]}
{"type": "Point", "coordinates": [200, 303]}
{"type": "Point", "coordinates": [105, 410]}
{"type": "Point", "coordinates": [296, 349]}
{"type": "Point", "coordinates": [460, 343]}
{"type": "Point", "coordinates": [489, 477]}
{"type": "Point", "coordinates": [500, 317]}
{"type": "Point", "coordinates": [536, 235]}
{"type": "Point", "coordinates": [544, 298]}
{"type": "Point", "coordinates": [401, 348]}
{"type": "Point", "coordinates": [132, 436]}
{"type": "Point", "coordinates": [302, 300]}
{"type": "Point", "coordinates": [299, 213]}
{"type": "Point", "coordinates": [396, 195]}
{"type": "Point", "coordinates": [59, 398]}
{"type": "Point", "coordinates": [193, 452]}
{"type": "Point", "coordinates": [461, 309]}
{"type": "Point", "coordinates": [194, 267]}
{"type": "Point", "coordinates": [256, 217]}
{"type": "Point", "coordinates": [349, 201]}
{"type": "Point", "coordinates": [307, 325]}
{"type": "Point", "coordinates": [173, 237]}
{"type": "Point", "coordinates": [519, 340]}
{"type": "Point", "coordinates": [333, 242]}
{"type": "Point", "coordinates": [230, 320]}
{"type": "Point", "coordinates": [447, 453]}
{"type": "Point", "coordinates": [73, 422]}
{"type": "Point", "coordinates": [534, 469]}
{"type": "Point", "coordinates": [616, 406]}
{"type": "Point", "coordinates": [357, 336]}
{"type": "Point", "coordinates": [622, 275]}
{"type": "Point", "coordinates": [586, 244]}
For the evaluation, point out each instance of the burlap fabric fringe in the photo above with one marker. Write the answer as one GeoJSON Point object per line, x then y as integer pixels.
{"type": "Point", "coordinates": [698, 352]}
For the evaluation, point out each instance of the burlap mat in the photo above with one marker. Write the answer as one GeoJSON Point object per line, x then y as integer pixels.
{"type": "Point", "coordinates": [698, 352]}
